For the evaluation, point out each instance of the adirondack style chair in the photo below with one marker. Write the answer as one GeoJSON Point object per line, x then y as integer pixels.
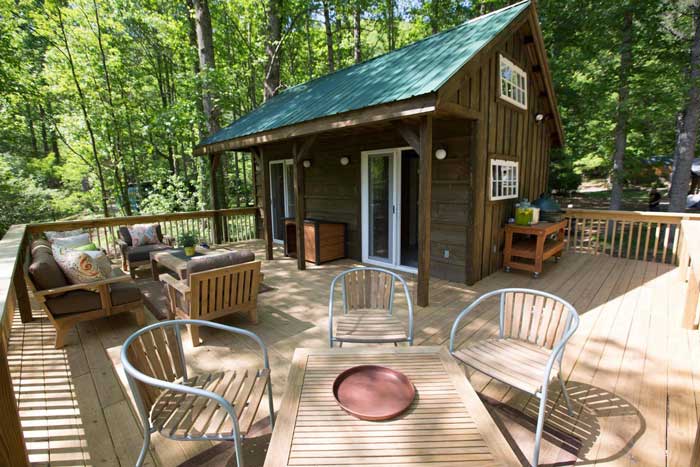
{"type": "Point", "coordinates": [215, 286]}
{"type": "Point", "coordinates": [214, 406]}
{"type": "Point", "coordinates": [368, 302]}
{"type": "Point", "coordinates": [534, 328]}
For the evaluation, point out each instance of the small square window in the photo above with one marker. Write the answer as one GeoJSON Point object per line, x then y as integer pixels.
{"type": "Point", "coordinates": [513, 83]}
{"type": "Point", "coordinates": [504, 179]}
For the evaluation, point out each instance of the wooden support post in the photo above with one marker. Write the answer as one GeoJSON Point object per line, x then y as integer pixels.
{"type": "Point", "coordinates": [691, 301]}
{"type": "Point", "coordinates": [300, 151]}
{"type": "Point", "coordinates": [21, 294]}
{"type": "Point", "coordinates": [214, 160]}
{"type": "Point", "coordinates": [265, 207]}
{"type": "Point", "coordinates": [424, 209]}
{"type": "Point", "coordinates": [13, 450]}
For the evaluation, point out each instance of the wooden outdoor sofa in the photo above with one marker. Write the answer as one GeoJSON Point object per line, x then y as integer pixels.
{"type": "Point", "coordinates": [67, 304]}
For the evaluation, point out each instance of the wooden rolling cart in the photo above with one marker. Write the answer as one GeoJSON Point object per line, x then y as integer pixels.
{"type": "Point", "coordinates": [533, 245]}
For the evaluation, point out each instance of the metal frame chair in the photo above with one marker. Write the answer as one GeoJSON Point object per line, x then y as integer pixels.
{"type": "Point", "coordinates": [554, 340]}
{"type": "Point", "coordinates": [375, 303]}
{"type": "Point", "coordinates": [166, 343]}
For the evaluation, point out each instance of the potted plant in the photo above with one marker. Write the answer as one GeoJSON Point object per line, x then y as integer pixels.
{"type": "Point", "coordinates": [187, 240]}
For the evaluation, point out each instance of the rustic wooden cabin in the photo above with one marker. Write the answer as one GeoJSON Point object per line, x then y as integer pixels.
{"type": "Point", "coordinates": [473, 106]}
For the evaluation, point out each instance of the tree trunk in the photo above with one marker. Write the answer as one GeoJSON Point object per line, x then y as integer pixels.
{"type": "Point", "coordinates": [32, 131]}
{"type": "Point", "coordinates": [622, 110]}
{"type": "Point", "coordinates": [434, 15]}
{"type": "Point", "coordinates": [309, 46]}
{"type": "Point", "coordinates": [83, 108]}
{"type": "Point", "coordinates": [329, 36]}
{"type": "Point", "coordinates": [357, 32]}
{"type": "Point", "coordinates": [390, 31]}
{"type": "Point", "coordinates": [52, 134]}
{"type": "Point", "coordinates": [272, 48]}
{"type": "Point", "coordinates": [205, 48]}
{"type": "Point", "coordinates": [687, 134]}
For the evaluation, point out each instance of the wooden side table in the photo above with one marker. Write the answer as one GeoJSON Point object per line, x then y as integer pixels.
{"type": "Point", "coordinates": [533, 245]}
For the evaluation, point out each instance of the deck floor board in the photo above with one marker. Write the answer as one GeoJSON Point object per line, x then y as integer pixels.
{"type": "Point", "coordinates": [629, 368]}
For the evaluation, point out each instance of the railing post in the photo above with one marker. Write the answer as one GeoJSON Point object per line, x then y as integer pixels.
{"type": "Point", "coordinates": [214, 160]}
{"type": "Point", "coordinates": [22, 294]}
{"type": "Point", "coordinates": [691, 301]}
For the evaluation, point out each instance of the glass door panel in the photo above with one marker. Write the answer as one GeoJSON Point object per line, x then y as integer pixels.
{"type": "Point", "coordinates": [289, 192]}
{"type": "Point", "coordinates": [380, 206]}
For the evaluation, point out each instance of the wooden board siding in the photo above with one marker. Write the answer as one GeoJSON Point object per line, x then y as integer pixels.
{"type": "Point", "coordinates": [504, 132]}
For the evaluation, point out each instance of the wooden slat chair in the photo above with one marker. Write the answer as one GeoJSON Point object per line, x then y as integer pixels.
{"type": "Point", "coordinates": [214, 293]}
{"type": "Point", "coordinates": [368, 302]}
{"type": "Point", "coordinates": [214, 406]}
{"type": "Point", "coordinates": [534, 328]}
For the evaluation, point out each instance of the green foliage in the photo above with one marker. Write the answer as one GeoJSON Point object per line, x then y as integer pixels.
{"type": "Point", "coordinates": [173, 194]}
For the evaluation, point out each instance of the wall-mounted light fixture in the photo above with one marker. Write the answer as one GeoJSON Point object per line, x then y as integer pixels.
{"type": "Point", "coordinates": [345, 160]}
{"type": "Point", "coordinates": [306, 163]}
{"type": "Point", "coordinates": [539, 117]}
{"type": "Point", "coordinates": [440, 154]}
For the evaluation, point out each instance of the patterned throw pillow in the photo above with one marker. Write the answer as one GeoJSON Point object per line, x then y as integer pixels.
{"type": "Point", "coordinates": [71, 242]}
{"type": "Point", "coordinates": [51, 235]}
{"type": "Point", "coordinates": [82, 267]}
{"type": "Point", "coordinates": [143, 234]}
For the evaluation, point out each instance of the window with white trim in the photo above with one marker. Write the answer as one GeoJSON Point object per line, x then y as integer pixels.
{"type": "Point", "coordinates": [513, 83]}
{"type": "Point", "coordinates": [504, 179]}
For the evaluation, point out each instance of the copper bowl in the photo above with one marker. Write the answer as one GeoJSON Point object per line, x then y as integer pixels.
{"type": "Point", "coordinates": [371, 392]}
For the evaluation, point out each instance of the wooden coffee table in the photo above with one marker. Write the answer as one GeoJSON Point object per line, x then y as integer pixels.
{"type": "Point", "coordinates": [447, 422]}
{"type": "Point", "coordinates": [175, 260]}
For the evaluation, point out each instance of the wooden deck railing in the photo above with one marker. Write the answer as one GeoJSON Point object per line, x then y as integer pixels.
{"type": "Point", "coordinates": [689, 271]}
{"type": "Point", "coordinates": [234, 225]}
{"type": "Point", "coordinates": [640, 235]}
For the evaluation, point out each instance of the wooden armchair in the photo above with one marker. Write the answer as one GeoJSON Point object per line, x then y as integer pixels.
{"type": "Point", "coordinates": [68, 304]}
{"type": "Point", "coordinates": [221, 290]}
{"type": "Point", "coordinates": [215, 406]}
{"type": "Point", "coordinates": [368, 303]}
{"type": "Point", "coordinates": [534, 328]}
{"type": "Point", "coordinates": [136, 256]}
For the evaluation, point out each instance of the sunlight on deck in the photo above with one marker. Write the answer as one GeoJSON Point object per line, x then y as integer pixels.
{"type": "Point", "coordinates": [629, 367]}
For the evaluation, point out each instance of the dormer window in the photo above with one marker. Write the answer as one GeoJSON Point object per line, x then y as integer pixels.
{"type": "Point", "coordinates": [513, 83]}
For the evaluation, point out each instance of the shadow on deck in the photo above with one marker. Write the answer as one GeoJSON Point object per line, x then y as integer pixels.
{"type": "Point", "coordinates": [628, 358]}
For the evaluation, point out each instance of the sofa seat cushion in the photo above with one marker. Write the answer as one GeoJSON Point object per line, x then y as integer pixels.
{"type": "Point", "coordinates": [142, 253]}
{"type": "Point", "coordinates": [124, 292]}
{"type": "Point", "coordinates": [80, 301]}
{"type": "Point", "coordinates": [216, 261]}
{"type": "Point", "coordinates": [75, 301]}
{"type": "Point", "coordinates": [44, 271]}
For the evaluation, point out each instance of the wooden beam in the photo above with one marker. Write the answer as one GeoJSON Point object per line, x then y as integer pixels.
{"type": "Point", "coordinates": [414, 106]}
{"type": "Point", "coordinates": [408, 133]}
{"type": "Point", "coordinates": [266, 206]}
{"type": "Point", "coordinates": [214, 160]}
{"type": "Point", "coordinates": [300, 150]}
{"type": "Point", "coordinates": [424, 209]}
{"type": "Point", "coordinates": [22, 295]}
{"type": "Point", "coordinates": [452, 109]}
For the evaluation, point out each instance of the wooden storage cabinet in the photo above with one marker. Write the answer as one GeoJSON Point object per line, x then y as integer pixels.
{"type": "Point", "coordinates": [323, 241]}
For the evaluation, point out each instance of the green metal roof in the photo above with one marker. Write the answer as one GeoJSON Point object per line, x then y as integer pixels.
{"type": "Point", "coordinates": [417, 69]}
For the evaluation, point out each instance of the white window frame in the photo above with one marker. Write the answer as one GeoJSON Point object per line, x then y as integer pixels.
{"type": "Point", "coordinates": [518, 83]}
{"type": "Point", "coordinates": [503, 191]}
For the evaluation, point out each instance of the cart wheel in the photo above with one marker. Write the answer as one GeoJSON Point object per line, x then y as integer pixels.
{"type": "Point", "coordinates": [535, 275]}
{"type": "Point", "coordinates": [507, 269]}
{"type": "Point", "coordinates": [556, 259]}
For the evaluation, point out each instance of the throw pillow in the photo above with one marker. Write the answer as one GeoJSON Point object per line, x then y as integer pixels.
{"type": "Point", "coordinates": [143, 234]}
{"type": "Point", "coordinates": [51, 235]}
{"type": "Point", "coordinates": [87, 247]}
{"type": "Point", "coordinates": [71, 242]}
{"type": "Point", "coordinates": [82, 267]}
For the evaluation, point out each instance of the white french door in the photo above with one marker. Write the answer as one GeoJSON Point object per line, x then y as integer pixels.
{"type": "Point", "coordinates": [281, 195]}
{"type": "Point", "coordinates": [390, 208]}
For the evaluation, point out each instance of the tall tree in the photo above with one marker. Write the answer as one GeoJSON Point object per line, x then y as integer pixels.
{"type": "Point", "coordinates": [272, 49]}
{"type": "Point", "coordinates": [622, 117]}
{"type": "Point", "coordinates": [357, 32]}
{"type": "Point", "coordinates": [205, 48]}
{"type": "Point", "coordinates": [329, 35]}
{"type": "Point", "coordinates": [390, 24]}
{"type": "Point", "coordinates": [688, 123]}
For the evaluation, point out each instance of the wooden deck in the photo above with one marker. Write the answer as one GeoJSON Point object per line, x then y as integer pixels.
{"type": "Point", "coordinates": [629, 367]}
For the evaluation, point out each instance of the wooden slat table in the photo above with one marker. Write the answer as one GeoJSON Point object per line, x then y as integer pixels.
{"type": "Point", "coordinates": [446, 425]}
